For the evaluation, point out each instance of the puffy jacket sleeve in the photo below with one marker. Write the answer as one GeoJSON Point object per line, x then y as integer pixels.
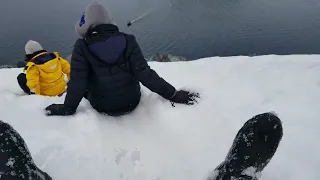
{"type": "Point", "coordinates": [147, 76]}
{"type": "Point", "coordinates": [32, 75]}
{"type": "Point", "coordinates": [65, 67]}
{"type": "Point", "coordinates": [79, 74]}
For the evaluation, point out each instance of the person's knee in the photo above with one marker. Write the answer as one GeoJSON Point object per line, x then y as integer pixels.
{"type": "Point", "coordinates": [22, 78]}
{"type": "Point", "coordinates": [268, 124]}
{"type": "Point", "coordinates": [4, 127]}
{"type": "Point", "coordinates": [265, 131]}
{"type": "Point", "coordinates": [13, 147]}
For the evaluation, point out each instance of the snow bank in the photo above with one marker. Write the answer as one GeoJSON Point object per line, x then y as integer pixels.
{"type": "Point", "coordinates": [161, 142]}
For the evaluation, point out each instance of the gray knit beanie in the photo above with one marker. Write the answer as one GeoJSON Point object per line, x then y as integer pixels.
{"type": "Point", "coordinates": [95, 14]}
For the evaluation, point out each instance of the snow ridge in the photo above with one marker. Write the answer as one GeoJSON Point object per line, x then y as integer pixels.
{"type": "Point", "coordinates": [161, 142]}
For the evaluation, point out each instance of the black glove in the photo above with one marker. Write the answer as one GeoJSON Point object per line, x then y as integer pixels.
{"type": "Point", "coordinates": [59, 110]}
{"type": "Point", "coordinates": [185, 97]}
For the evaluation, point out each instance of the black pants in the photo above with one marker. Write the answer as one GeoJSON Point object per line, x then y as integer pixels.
{"type": "Point", "coordinates": [22, 81]}
{"type": "Point", "coordinates": [16, 162]}
{"type": "Point", "coordinates": [251, 151]}
{"type": "Point", "coordinates": [115, 112]}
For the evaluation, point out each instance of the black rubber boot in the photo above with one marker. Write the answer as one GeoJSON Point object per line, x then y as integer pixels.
{"type": "Point", "coordinates": [16, 162]}
{"type": "Point", "coordinates": [252, 149]}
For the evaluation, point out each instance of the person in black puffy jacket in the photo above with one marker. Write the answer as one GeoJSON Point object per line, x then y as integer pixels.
{"type": "Point", "coordinates": [106, 68]}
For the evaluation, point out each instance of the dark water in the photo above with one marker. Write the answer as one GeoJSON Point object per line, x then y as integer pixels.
{"type": "Point", "coordinates": [190, 28]}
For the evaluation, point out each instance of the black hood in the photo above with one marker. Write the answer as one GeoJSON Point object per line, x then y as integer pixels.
{"type": "Point", "coordinates": [106, 43]}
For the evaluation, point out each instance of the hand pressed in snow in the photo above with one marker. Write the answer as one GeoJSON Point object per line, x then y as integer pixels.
{"type": "Point", "coordinates": [185, 97]}
{"type": "Point", "coordinates": [59, 110]}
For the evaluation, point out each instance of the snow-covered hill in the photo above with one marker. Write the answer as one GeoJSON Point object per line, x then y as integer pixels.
{"type": "Point", "coordinates": [161, 142]}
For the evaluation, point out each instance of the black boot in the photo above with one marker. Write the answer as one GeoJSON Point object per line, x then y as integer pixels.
{"type": "Point", "coordinates": [252, 149]}
{"type": "Point", "coordinates": [16, 162]}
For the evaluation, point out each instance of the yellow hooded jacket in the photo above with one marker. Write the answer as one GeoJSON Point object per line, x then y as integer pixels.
{"type": "Point", "coordinates": [46, 74]}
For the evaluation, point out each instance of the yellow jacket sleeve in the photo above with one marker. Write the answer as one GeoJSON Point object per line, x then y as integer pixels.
{"type": "Point", "coordinates": [65, 67]}
{"type": "Point", "coordinates": [32, 74]}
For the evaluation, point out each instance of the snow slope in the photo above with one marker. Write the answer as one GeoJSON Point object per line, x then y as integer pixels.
{"type": "Point", "coordinates": [160, 142]}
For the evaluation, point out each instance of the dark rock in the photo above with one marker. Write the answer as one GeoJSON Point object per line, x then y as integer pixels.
{"type": "Point", "coordinates": [158, 58]}
{"type": "Point", "coordinates": [167, 58]}
{"type": "Point", "coordinates": [7, 66]}
{"type": "Point", "coordinates": [21, 64]}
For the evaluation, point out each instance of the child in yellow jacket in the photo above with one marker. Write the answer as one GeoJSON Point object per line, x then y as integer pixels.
{"type": "Point", "coordinates": [44, 73]}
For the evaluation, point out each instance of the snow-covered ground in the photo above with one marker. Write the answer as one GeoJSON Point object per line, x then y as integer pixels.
{"type": "Point", "coordinates": [161, 142]}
